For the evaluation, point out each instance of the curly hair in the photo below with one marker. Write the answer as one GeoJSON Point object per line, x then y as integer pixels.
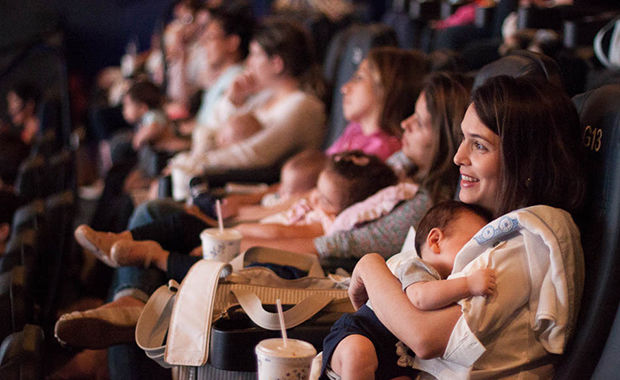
{"type": "Point", "coordinates": [362, 175]}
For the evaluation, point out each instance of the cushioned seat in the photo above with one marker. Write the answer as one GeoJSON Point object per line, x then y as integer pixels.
{"type": "Point", "coordinates": [21, 354]}
{"type": "Point", "coordinates": [599, 112]}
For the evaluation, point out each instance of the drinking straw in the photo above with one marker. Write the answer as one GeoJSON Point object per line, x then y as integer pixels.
{"type": "Point", "coordinates": [281, 318]}
{"type": "Point", "coordinates": [218, 210]}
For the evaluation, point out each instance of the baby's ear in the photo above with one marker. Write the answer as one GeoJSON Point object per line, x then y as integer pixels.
{"type": "Point", "coordinates": [433, 238]}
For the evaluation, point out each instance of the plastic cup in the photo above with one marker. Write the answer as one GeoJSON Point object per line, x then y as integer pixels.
{"type": "Point", "coordinates": [275, 361]}
{"type": "Point", "coordinates": [221, 246]}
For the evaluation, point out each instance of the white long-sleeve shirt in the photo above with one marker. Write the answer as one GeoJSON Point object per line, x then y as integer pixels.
{"type": "Point", "coordinates": [293, 124]}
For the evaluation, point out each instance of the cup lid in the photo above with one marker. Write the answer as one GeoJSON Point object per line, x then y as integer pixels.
{"type": "Point", "coordinates": [294, 348]}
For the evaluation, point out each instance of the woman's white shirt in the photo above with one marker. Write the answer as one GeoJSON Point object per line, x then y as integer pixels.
{"type": "Point", "coordinates": [293, 124]}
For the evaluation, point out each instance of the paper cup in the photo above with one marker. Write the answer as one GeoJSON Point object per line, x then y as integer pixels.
{"type": "Point", "coordinates": [278, 362]}
{"type": "Point", "coordinates": [180, 184]}
{"type": "Point", "coordinates": [220, 246]}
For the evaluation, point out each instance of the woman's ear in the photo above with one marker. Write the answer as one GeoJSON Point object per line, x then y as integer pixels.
{"type": "Point", "coordinates": [278, 64]}
{"type": "Point", "coordinates": [433, 239]}
{"type": "Point", "coordinates": [232, 43]}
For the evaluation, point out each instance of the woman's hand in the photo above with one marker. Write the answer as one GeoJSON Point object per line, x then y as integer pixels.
{"type": "Point", "coordinates": [357, 289]}
{"type": "Point", "coordinates": [242, 87]}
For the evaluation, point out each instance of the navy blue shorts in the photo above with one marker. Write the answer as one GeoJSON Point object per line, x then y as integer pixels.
{"type": "Point", "coordinates": [365, 322]}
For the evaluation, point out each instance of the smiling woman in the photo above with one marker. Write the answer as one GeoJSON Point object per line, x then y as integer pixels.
{"type": "Point", "coordinates": [520, 137]}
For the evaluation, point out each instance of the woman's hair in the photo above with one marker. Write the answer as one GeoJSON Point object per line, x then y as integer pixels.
{"type": "Point", "coordinates": [400, 76]}
{"type": "Point", "coordinates": [440, 216]}
{"type": "Point", "coordinates": [235, 18]}
{"type": "Point", "coordinates": [146, 92]}
{"type": "Point", "coordinates": [294, 45]}
{"type": "Point", "coordinates": [541, 153]}
{"type": "Point", "coordinates": [362, 175]}
{"type": "Point", "coordinates": [447, 98]}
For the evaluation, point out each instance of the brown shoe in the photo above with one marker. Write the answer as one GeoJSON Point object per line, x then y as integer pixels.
{"type": "Point", "coordinates": [98, 328]}
{"type": "Point", "coordinates": [135, 253]}
{"type": "Point", "coordinates": [99, 243]}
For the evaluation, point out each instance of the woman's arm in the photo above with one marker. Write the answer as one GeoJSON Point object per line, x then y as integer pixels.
{"type": "Point", "coordinates": [426, 332]}
{"type": "Point", "coordinates": [279, 231]}
{"type": "Point", "coordinates": [385, 235]}
{"type": "Point", "coordinates": [431, 295]}
{"type": "Point", "coordinates": [291, 130]}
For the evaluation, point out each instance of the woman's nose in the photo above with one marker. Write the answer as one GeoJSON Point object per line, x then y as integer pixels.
{"type": "Point", "coordinates": [406, 124]}
{"type": "Point", "coordinates": [344, 88]}
{"type": "Point", "coordinates": [460, 157]}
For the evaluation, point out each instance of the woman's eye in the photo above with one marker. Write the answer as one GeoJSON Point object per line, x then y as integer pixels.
{"type": "Point", "coordinates": [478, 146]}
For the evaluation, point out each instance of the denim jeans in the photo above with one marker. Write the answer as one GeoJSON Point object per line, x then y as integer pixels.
{"type": "Point", "coordinates": [144, 280]}
{"type": "Point", "coordinates": [127, 361]}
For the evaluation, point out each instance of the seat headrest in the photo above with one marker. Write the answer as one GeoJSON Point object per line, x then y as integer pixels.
{"type": "Point", "coordinates": [599, 113]}
{"type": "Point", "coordinates": [521, 63]}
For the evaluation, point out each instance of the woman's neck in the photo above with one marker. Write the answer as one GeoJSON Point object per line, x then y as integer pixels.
{"type": "Point", "coordinates": [370, 126]}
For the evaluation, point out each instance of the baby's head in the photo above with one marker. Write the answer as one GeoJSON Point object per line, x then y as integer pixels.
{"type": "Point", "coordinates": [300, 172]}
{"type": "Point", "coordinates": [348, 178]}
{"type": "Point", "coordinates": [237, 129]}
{"type": "Point", "coordinates": [445, 229]}
{"type": "Point", "coordinates": [141, 97]}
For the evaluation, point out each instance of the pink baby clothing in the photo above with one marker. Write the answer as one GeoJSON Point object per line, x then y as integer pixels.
{"type": "Point", "coordinates": [374, 207]}
{"type": "Point", "coordinates": [380, 143]}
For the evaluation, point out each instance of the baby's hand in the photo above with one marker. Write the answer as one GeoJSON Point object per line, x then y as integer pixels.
{"type": "Point", "coordinates": [481, 282]}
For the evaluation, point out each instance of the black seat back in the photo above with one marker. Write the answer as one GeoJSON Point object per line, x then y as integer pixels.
{"type": "Point", "coordinates": [30, 215]}
{"type": "Point", "coordinates": [16, 303]}
{"type": "Point", "coordinates": [60, 172]}
{"type": "Point", "coordinates": [599, 112]}
{"type": "Point", "coordinates": [31, 178]}
{"type": "Point", "coordinates": [21, 354]}
{"type": "Point", "coordinates": [607, 367]}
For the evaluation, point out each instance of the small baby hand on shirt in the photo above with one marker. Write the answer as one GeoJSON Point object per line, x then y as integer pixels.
{"type": "Point", "coordinates": [481, 282]}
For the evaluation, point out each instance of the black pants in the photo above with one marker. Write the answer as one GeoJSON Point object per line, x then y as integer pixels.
{"type": "Point", "coordinates": [179, 234]}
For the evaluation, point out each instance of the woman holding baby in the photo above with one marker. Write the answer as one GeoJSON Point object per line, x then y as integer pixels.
{"type": "Point", "coordinates": [521, 139]}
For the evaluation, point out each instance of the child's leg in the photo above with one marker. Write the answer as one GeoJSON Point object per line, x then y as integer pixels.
{"type": "Point", "coordinates": [355, 358]}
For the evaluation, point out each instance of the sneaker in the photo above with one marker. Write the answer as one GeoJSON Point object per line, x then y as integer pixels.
{"type": "Point", "coordinates": [99, 243]}
{"type": "Point", "coordinates": [98, 328]}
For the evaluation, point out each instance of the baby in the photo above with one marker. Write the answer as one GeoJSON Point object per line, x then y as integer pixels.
{"type": "Point", "coordinates": [237, 129]}
{"type": "Point", "coordinates": [142, 107]}
{"type": "Point", "coordinates": [440, 235]}
{"type": "Point", "coordinates": [348, 178]}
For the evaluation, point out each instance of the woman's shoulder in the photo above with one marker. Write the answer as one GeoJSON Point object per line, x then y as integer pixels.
{"type": "Point", "coordinates": [300, 98]}
{"type": "Point", "coordinates": [554, 218]}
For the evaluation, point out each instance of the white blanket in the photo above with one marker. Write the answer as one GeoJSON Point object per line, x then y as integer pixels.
{"type": "Point", "coordinates": [550, 238]}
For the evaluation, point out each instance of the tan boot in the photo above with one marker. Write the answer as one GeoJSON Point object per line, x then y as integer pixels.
{"type": "Point", "coordinates": [105, 326]}
{"type": "Point", "coordinates": [99, 243]}
{"type": "Point", "coordinates": [135, 253]}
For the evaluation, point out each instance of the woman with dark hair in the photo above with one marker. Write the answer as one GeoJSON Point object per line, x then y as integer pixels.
{"type": "Point", "coordinates": [275, 89]}
{"type": "Point", "coordinates": [520, 139]}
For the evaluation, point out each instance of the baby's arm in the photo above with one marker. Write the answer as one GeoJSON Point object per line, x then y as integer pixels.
{"type": "Point", "coordinates": [431, 295]}
{"type": "Point", "coordinates": [147, 133]}
{"type": "Point", "coordinates": [279, 231]}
